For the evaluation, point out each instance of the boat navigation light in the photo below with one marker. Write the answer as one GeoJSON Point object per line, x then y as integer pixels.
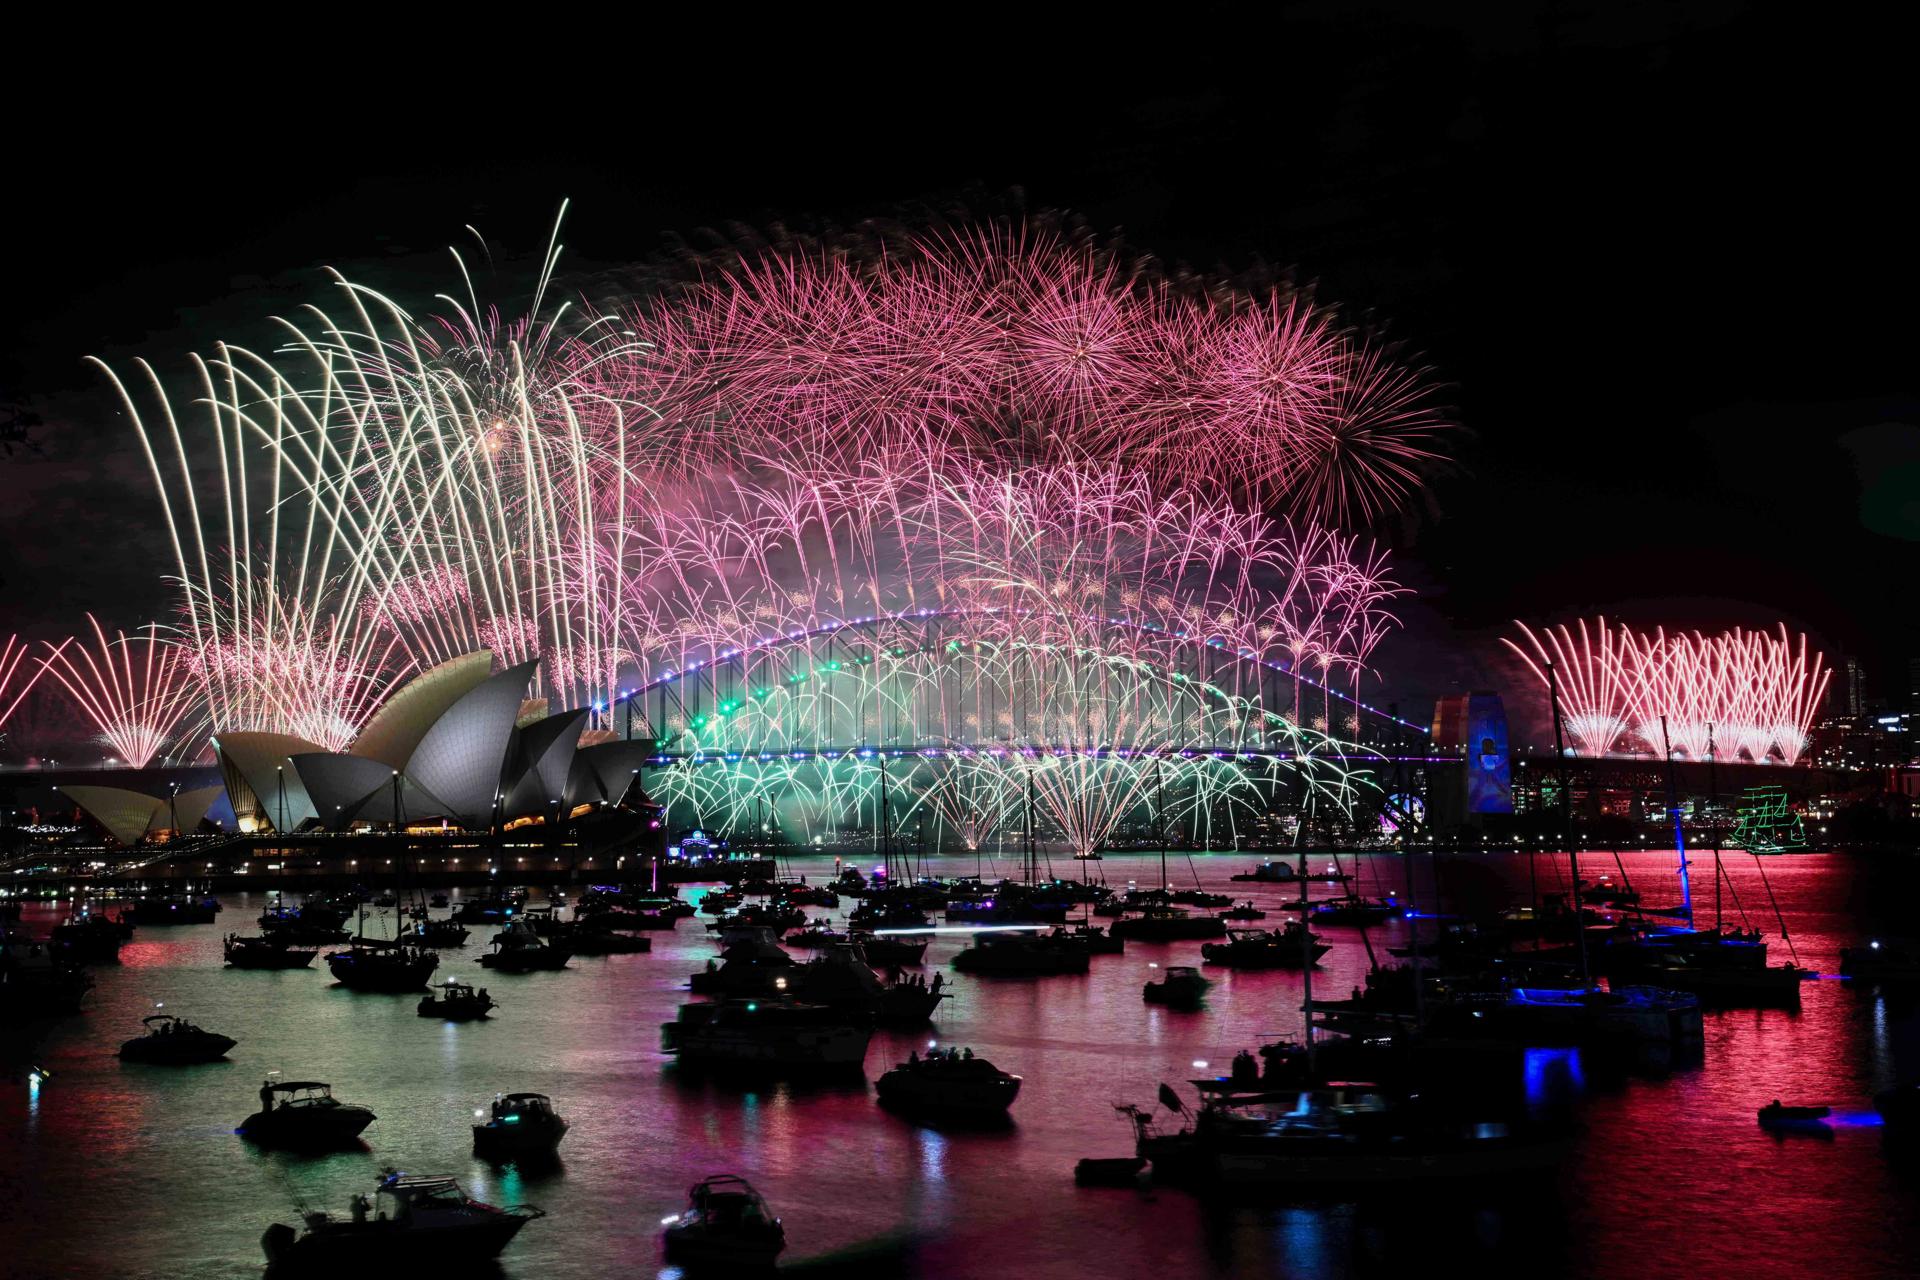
{"type": "Point", "coordinates": [1199, 1064]}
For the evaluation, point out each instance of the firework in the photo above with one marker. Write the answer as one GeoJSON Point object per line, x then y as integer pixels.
{"type": "Point", "coordinates": [1008, 504]}
{"type": "Point", "coordinates": [1025, 345]}
{"type": "Point", "coordinates": [139, 692]}
{"type": "Point", "coordinates": [1739, 693]}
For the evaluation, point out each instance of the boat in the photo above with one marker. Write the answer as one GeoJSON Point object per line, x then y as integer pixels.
{"type": "Point", "coordinates": [383, 967]}
{"type": "Point", "coordinates": [1199, 898]}
{"type": "Point", "coordinates": [1728, 985]}
{"type": "Point", "coordinates": [266, 953]}
{"type": "Point", "coordinates": [605, 941]}
{"type": "Point", "coordinates": [1183, 987]}
{"type": "Point", "coordinates": [842, 979]}
{"type": "Point", "coordinates": [769, 1034]}
{"type": "Point", "coordinates": [437, 900]}
{"type": "Point", "coordinates": [518, 949]}
{"type": "Point", "coordinates": [1098, 941]}
{"type": "Point", "coordinates": [410, 1222]}
{"type": "Point", "coordinates": [1290, 948]}
{"type": "Point", "coordinates": [1108, 1171]}
{"type": "Point", "coordinates": [1899, 1109]}
{"type": "Point", "coordinates": [87, 938]}
{"type": "Point", "coordinates": [1286, 873]}
{"type": "Point", "coordinates": [1167, 924]}
{"type": "Point", "coordinates": [725, 1224]}
{"type": "Point", "coordinates": [949, 1084]}
{"type": "Point", "coordinates": [752, 964]}
{"type": "Point", "coordinates": [1338, 1135]}
{"type": "Point", "coordinates": [36, 982]}
{"type": "Point", "coordinates": [174, 1041]}
{"type": "Point", "coordinates": [1023, 955]}
{"type": "Point", "coordinates": [176, 908]}
{"type": "Point", "coordinates": [496, 909]}
{"type": "Point", "coordinates": [434, 933]}
{"type": "Point", "coordinates": [1245, 911]}
{"type": "Point", "coordinates": [1778, 1118]}
{"type": "Point", "coordinates": [522, 1125]}
{"type": "Point", "coordinates": [890, 949]}
{"type": "Point", "coordinates": [1880, 960]}
{"type": "Point", "coordinates": [304, 1114]}
{"type": "Point", "coordinates": [1356, 910]}
{"type": "Point", "coordinates": [457, 1002]}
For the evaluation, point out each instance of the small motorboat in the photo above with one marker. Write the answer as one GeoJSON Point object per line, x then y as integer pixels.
{"type": "Point", "coordinates": [304, 1114]}
{"type": "Point", "coordinates": [726, 1224]}
{"type": "Point", "coordinates": [174, 1041]}
{"type": "Point", "coordinates": [437, 900]}
{"type": "Point", "coordinates": [410, 1222]}
{"type": "Point", "coordinates": [522, 1125]}
{"type": "Point", "coordinates": [1245, 911]}
{"type": "Point", "coordinates": [457, 1002]}
{"type": "Point", "coordinates": [1183, 987]}
{"type": "Point", "coordinates": [1778, 1118]}
{"type": "Point", "coordinates": [948, 1083]}
{"type": "Point", "coordinates": [266, 953]}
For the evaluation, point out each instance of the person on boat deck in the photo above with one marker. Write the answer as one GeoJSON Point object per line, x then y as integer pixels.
{"type": "Point", "coordinates": [913, 1057]}
{"type": "Point", "coordinates": [266, 1096]}
{"type": "Point", "coordinates": [359, 1204]}
{"type": "Point", "coordinates": [1245, 1068]}
{"type": "Point", "coordinates": [938, 979]}
{"type": "Point", "coordinates": [968, 1055]}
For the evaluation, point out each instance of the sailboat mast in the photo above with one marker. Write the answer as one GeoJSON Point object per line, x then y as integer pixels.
{"type": "Point", "coordinates": [1566, 825]}
{"type": "Point", "coordinates": [1679, 831]}
{"type": "Point", "coordinates": [1713, 829]}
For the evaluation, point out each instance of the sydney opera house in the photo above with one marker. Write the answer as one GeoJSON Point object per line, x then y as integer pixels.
{"type": "Point", "coordinates": [459, 747]}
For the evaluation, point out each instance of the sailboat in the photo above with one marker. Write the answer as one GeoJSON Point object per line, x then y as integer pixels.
{"type": "Point", "coordinates": [384, 966]}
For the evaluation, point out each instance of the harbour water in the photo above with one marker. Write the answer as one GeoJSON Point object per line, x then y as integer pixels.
{"type": "Point", "coordinates": [120, 1170]}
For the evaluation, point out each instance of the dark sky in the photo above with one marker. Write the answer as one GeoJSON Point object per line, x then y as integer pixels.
{"type": "Point", "coordinates": [1662, 255]}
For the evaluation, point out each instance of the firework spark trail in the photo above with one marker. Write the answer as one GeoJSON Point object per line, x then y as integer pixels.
{"type": "Point", "coordinates": [139, 692]}
{"type": "Point", "coordinates": [13, 687]}
{"type": "Point", "coordinates": [1739, 693]}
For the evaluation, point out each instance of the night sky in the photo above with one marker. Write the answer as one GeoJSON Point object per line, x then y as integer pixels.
{"type": "Point", "coordinates": [1661, 256]}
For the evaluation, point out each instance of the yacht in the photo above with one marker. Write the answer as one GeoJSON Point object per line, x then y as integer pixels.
{"type": "Point", "coordinates": [265, 953]}
{"type": "Point", "coordinates": [1022, 955]}
{"type": "Point", "coordinates": [518, 949]}
{"type": "Point", "coordinates": [410, 1222]}
{"type": "Point", "coordinates": [1290, 948]}
{"type": "Point", "coordinates": [766, 1033]}
{"type": "Point", "coordinates": [1167, 924]}
{"type": "Point", "coordinates": [1337, 1135]}
{"type": "Point", "coordinates": [87, 938]}
{"type": "Point", "coordinates": [37, 983]}
{"type": "Point", "coordinates": [949, 1083]}
{"type": "Point", "coordinates": [383, 967]}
